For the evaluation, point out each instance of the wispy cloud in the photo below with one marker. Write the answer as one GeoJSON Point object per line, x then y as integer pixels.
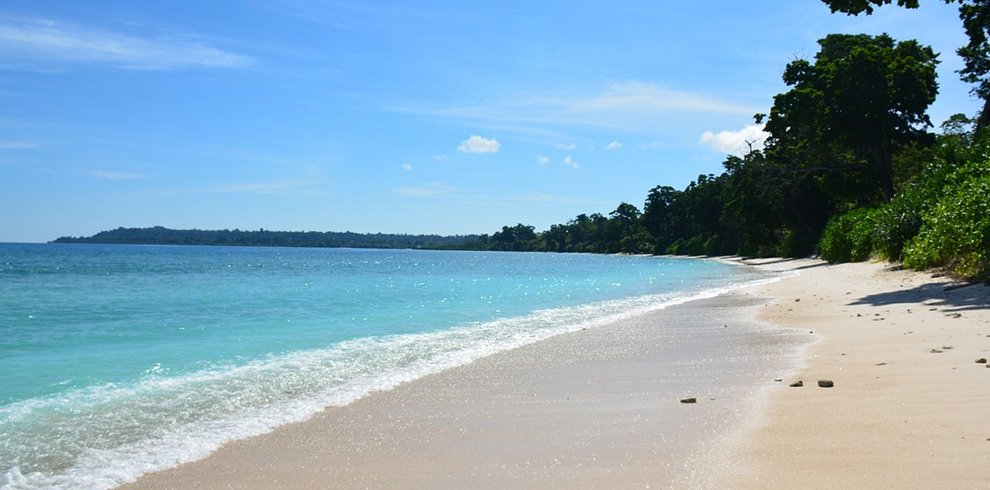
{"type": "Point", "coordinates": [628, 106]}
{"type": "Point", "coordinates": [114, 175]}
{"type": "Point", "coordinates": [569, 161]}
{"type": "Point", "coordinates": [281, 186]}
{"type": "Point", "coordinates": [18, 145]}
{"type": "Point", "coordinates": [543, 160]}
{"type": "Point", "coordinates": [615, 145]}
{"type": "Point", "coordinates": [48, 41]}
{"type": "Point", "coordinates": [567, 146]}
{"type": "Point", "coordinates": [479, 144]}
{"type": "Point", "coordinates": [551, 198]}
{"type": "Point", "coordinates": [428, 190]}
{"type": "Point", "coordinates": [407, 167]}
{"type": "Point", "coordinates": [736, 142]}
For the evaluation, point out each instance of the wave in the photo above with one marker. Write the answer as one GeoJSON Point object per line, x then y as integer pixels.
{"type": "Point", "coordinates": [104, 436]}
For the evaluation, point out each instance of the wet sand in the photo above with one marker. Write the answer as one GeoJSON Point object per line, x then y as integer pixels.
{"type": "Point", "coordinates": [600, 408]}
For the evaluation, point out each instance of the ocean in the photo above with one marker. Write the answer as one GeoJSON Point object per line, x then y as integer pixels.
{"type": "Point", "coordinates": [118, 360]}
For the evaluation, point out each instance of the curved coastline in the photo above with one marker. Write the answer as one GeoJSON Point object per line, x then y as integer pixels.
{"type": "Point", "coordinates": [585, 408]}
{"type": "Point", "coordinates": [907, 408]}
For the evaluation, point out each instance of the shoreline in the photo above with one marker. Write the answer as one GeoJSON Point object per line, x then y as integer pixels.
{"type": "Point", "coordinates": [910, 397]}
{"type": "Point", "coordinates": [583, 409]}
{"type": "Point", "coordinates": [586, 408]}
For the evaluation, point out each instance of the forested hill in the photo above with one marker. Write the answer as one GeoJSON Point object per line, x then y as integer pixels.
{"type": "Point", "coordinates": [264, 238]}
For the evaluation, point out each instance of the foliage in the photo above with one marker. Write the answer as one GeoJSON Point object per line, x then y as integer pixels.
{"type": "Point", "coordinates": [849, 237]}
{"type": "Point", "coordinates": [848, 169]}
{"type": "Point", "coordinates": [164, 236]}
{"type": "Point", "coordinates": [897, 222]}
{"type": "Point", "coordinates": [956, 232]}
{"type": "Point", "coordinates": [975, 17]}
{"type": "Point", "coordinates": [856, 7]}
{"type": "Point", "coordinates": [862, 99]}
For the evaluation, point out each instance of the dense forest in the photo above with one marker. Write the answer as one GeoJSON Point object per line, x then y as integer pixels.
{"type": "Point", "coordinates": [265, 238]}
{"type": "Point", "coordinates": [851, 170]}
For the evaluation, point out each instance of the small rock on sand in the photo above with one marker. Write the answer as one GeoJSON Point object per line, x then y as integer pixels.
{"type": "Point", "coordinates": [690, 399]}
{"type": "Point", "coordinates": [825, 383]}
{"type": "Point", "coordinates": [982, 360]}
{"type": "Point", "coordinates": [797, 384]}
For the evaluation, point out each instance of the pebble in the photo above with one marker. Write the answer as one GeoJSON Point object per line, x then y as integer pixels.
{"type": "Point", "coordinates": [825, 383]}
{"type": "Point", "coordinates": [689, 400]}
{"type": "Point", "coordinates": [935, 351]}
{"type": "Point", "coordinates": [982, 360]}
{"type": "Point", "coordinates": [797, 384]}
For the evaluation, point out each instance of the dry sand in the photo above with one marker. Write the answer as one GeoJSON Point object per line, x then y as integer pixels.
{"type": "Point", "coordinates": [910, 407]}
{"type": "Point", "coordinates": [599, 408]}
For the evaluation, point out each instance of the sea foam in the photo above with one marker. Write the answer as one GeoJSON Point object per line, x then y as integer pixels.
{"type": "Point", "coordinates": [104, 436]}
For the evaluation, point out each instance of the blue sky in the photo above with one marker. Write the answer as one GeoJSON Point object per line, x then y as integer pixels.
{"type": "Point", "coordinates": [406, 116]}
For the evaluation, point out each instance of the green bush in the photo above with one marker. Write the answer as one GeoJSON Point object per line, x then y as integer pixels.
{"type": "Point", "coordinates": [955, 233]}
{"type": "Point", "coordinates": [849, 237]}
{"type": "Point", "coordinates": [899, 221]}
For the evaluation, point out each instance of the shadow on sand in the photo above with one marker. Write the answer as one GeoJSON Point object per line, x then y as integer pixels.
{"type": "Point", "coordinates": [948, 297]}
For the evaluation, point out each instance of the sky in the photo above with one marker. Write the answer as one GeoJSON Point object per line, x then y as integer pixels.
{"type": "Point", "coordinates": [391, 116]}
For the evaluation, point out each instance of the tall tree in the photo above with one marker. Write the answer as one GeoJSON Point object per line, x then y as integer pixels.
{"type": "Point", "coordinates": [862, 98]}
{"type": "Point", "coordinates": [975, 16]}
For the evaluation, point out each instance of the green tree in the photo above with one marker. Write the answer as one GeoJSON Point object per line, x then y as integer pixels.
{"type": "Point", "coordinates": [975, 16]}
{"type": "Point", "coordinates": [862, 99]}
{"type": "Point", "coordinates": [856, 7]}
{"type": "Point", "coordinates": [658, 220]}
{"type": "Point", "coordinates": [625, 230]}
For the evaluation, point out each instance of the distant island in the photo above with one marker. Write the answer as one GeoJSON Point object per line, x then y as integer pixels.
{"type": "Point", "coordinates": [159, 235]}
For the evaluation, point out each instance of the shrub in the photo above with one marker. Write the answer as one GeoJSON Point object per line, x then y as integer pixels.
{"type": "Point", "coordinates": [955, 233]}
{"type": "Point", "coordinates": [849, 237]}
{"type": "Point", "coordinates": [899, 221]}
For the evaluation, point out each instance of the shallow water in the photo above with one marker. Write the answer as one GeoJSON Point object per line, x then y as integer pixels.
{"type": "Point", "coordinates": [119, 360]}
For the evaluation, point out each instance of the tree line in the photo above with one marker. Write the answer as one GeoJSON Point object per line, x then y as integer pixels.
{"type": "Point", "coordinates": [159, 235]}
{"type": "Point", "coordinates": [850, 169]}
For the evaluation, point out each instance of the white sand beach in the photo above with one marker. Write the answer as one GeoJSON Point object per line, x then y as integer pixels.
{"type": "Point", "coordinates": [593, 409]}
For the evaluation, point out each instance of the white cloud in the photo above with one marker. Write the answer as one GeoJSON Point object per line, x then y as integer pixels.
{"type": "Point", "coordinates": [639, 96]}
{"type": "Point", "coordinates": [615, 145]}
{"type": "Point", "coordinates": [735, 142]}
{"type": "Point", "coordinates": [542, 160]}
{"type": "Point", "coordinates": [407, 167]}
{"type": "Point", "coordinates": [17, 145]}
{"type": "Point", "coordinates": [551, 198]}
{"type": "Point", "coordinates": [544, 197]}
{"type": "Point", "coordinates": [636, 106]}
{"type": "Point", "coordinates": [571, 163]}
{"type": "Point", "coordinates": [441, 158]}
{"type": "Point", "coordinates": [568, 146]}
{"type": "Point", "coordinates": [478, 144]}
{"type": "Point", "coordinates": [282, 186]}
{"type": "Point", "coordinates": [428, 190]}
{"type": "Point", "coordinates": [51, 41]}
{"type": "Point", "coordinates": [114, 175]}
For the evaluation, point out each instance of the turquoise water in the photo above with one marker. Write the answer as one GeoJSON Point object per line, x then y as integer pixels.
{"type": "Point", "coordinates": [120, 360]}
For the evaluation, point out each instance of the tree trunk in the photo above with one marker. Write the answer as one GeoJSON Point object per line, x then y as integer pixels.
{"type": "Point", "coordinates": [984, 119]}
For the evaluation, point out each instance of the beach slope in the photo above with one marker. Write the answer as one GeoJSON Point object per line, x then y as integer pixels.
{"type": "Point", "coordinates": [909, 408]}
{"type": "Point", "coordinates": [600, 408]}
